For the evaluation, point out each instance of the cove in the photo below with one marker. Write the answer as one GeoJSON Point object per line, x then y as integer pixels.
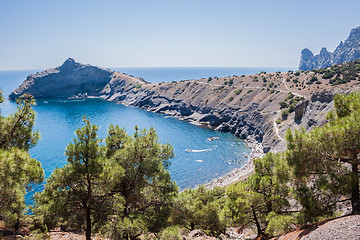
{"type": "Point", "coordinates": [57, 120]}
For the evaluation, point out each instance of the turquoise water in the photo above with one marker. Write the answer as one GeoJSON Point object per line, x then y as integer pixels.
{"type": "Point", "coordinates": [57, 120]}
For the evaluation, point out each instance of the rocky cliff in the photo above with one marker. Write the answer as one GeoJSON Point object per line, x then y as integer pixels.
{"type": "Point", "coordinates": [348, 50]}
{"type": "Point", "coordinates": [72, 79]}
{"type": "Point", "coordinates": [257, 107]}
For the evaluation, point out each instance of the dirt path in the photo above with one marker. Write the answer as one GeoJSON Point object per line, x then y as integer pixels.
{"type": "Point", "coordinates": [276, 127]}
{"type": "Point", "coordinates": [294, 93]}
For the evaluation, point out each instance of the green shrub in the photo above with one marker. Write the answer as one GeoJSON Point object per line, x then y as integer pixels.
{"type": "Point", "coordinates": [238, 91]}
{"type": "Point", "coordinates": [172, 233]}
{"type": "Point", "coordinates": [313, 78]}
{"type": "Point", "coordinates": [292, 106]}
{"type": "Point", "coordinates": [290, 96]}
{"type": "Point", "coordinates": [283, 105]}
{"type": "Point", "coordinates": [285, 114]}
{"type": "Point", "coordinates": [328, 75]}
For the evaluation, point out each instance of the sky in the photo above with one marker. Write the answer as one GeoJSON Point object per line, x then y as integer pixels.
{"type": "Point", "coordinates": [40, 34]}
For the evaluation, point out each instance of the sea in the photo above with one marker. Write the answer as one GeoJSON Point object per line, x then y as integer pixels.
{"type": "Point", "coordinates": [197, 160]}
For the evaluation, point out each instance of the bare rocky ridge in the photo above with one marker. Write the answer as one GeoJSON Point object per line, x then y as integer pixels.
{"type": "Point", "coordinates": [346, 51]}
{"type": "Point", "coordinates": [72, 79]}
{"type": "Point", "coordinates": [247, 106]}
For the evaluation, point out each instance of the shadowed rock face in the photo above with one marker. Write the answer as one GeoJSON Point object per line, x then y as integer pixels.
{"type": "Point", "coordinates": [69, 80]}
{"type": "Point", "coordinates": [346, 51]}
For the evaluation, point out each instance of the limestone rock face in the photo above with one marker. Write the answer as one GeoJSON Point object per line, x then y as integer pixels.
{"type": "Point", "coordinates": [306, 59]}
{"type": "Point", "coordinates": [69, 80]}
{"type": "Point", "coordinates": [346, 51]}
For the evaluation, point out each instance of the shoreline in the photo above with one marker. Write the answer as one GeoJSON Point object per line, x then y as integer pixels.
{"type": "Point", "coordinates": [238, 174]}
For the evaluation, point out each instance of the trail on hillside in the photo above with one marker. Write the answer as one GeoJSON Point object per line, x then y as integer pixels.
{"type": "Point", "coordinates": [276, 127]}
{"type": "Point", "coordinates": [294, 93]}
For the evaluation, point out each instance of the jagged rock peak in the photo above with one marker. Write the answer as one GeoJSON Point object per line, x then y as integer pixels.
{"type": "Point", "coordinates": [69, 64]}
{"type": "Point", "coordinates": [306, 53]}
{"type": "Point", "coordinates": [354, 34]}
{"type": "Point", "coordinates": [324, 52]}
{"type": "Point", "coordinates": [346, 51]}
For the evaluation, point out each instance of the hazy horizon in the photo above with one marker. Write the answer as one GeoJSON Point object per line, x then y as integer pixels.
{"type": "Point", "coordinates": [42, 34]}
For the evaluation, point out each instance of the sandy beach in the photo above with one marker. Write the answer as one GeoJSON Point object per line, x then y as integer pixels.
{"type": "Point", "coordinates": [241, 173]}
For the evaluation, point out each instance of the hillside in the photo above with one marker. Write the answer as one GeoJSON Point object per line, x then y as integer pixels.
{"type": "Point", "coordinates": [346, 51]}
{"type": "Point", "coordinates": [257, 107]}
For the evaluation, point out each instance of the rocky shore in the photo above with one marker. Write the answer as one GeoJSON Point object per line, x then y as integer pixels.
{"type": "Point", "coordinates": [241, 173]}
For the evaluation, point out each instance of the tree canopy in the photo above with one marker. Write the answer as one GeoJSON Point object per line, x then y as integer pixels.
{"type": "Point", "coordinates": [262, 200]}
{"type": "Point", "coordinates": [325, 161]}
{"type": "Point", "coordinates": [18, 171]}
{"type": "Point", "coordinates": [122, 189]}
{"type": "Point", "coordinates": [200, 208]}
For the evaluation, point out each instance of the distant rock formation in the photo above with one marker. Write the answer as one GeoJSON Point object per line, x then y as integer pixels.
{"type": "Point", "coordinates": [346, 51]}
{"type": "Point", "coordinates": [68, 80]}
{"type": "Point", "coordinates": [72, 79]}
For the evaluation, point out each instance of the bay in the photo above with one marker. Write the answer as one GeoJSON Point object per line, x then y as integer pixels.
{"type": "Point", "coordinates": [57, 120]}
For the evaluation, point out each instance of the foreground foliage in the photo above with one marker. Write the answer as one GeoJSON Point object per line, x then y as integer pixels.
{"type": "Point", "coordinates": [122, 189]}
{"type": "Point", "coordinates": [326, 161]}
{"type": "Point", "coordinates": [262, 200]}
{"type": "Point", "coordinates": [200, 208]}
{"type": "Point", "coordinates": [18, 171]}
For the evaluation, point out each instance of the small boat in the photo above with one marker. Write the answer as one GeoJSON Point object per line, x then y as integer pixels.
{"type": "Point", "coordinates": [198, 150]}
{"type": "Point", "coordinates": [210, 139]}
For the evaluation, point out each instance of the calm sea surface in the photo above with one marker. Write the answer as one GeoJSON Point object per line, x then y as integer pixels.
{"type": "Point", "coordinates": [57, 120]}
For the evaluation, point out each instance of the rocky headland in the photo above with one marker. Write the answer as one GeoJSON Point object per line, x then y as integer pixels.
{"type": "Point", "coordinates": [258, 108]}
{"type": "Point", "coordinates": [346, 51]}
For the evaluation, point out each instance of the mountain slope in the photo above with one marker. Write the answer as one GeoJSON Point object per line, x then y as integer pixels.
{"type": "Point", "coordinates": [257, 107]}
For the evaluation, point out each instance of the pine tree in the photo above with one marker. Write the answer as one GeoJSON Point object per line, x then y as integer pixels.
{"type": "Point", "coordinates": [79, 195]}
{"type": "Point", "coordinates": [122, 189]}
{"type": "Point", "coordinates": [262, 200]}
{"type": "Point", "coordinates": [326, 161]}
{"type": "Point", "coordinates": [18, 171]}
{"type": "Point", "coordinates": [146, 186]}
{"type": "Point", "coordinates": [200, 208]}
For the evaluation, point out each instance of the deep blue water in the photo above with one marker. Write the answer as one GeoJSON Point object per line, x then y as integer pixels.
{"type": "Point", "coordinates": [57, 120]}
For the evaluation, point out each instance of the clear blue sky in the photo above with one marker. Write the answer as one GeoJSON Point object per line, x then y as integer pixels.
{"type": "Point", "coordinates": [158, 33]}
